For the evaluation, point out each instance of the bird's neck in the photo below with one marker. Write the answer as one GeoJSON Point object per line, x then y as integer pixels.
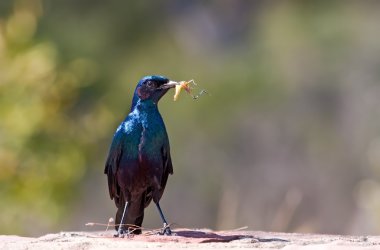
{"type": "Point", "coordinates": [146, 112]}
{"type": "Point", "coordinates": [134, 101]}
{"type": "Point", "coordinates": [144, 106]}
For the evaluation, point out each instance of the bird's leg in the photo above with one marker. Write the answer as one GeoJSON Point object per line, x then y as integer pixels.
{"type": "Point", "coordinates": [166, 230]}
{"type": "Point", "coordinates": [120, 231]}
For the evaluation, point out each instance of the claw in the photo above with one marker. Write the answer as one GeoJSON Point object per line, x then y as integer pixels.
{"type": "Point", "coordinates": [166, 230]}
{"type": "Point", "coordinates": [119, 234]}
{"type": "Point", "coordinates": [122, 233]}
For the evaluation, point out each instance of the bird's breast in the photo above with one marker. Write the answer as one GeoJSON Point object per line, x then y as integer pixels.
{"type": "Point", "coordinates": [145, 136]}
{"type": "Point", "coordinates": [150, 145]}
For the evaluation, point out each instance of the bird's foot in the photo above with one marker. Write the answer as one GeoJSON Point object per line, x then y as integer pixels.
{"type": "Point", "coordinates": [121, 233]}
{"type": "Point", "coordinates": [165, 230]}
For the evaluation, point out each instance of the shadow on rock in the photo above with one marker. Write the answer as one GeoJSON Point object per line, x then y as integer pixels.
{"type": "Point", "coordinates": [210, 237]}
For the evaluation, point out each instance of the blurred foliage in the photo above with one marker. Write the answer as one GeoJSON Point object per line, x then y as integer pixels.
{"type": "Point", "coordinates": [288, 139]}
{"type": "Point", "coordinates": [45, 140]}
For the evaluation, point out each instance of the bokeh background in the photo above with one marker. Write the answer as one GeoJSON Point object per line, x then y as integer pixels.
{"type": "Point", "coordinates": [288, 140]}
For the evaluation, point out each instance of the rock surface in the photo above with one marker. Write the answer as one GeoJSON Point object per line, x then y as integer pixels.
{"type": "Point", "coordinates": [190, 239]}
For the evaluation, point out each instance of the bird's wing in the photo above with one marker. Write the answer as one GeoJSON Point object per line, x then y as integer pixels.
{"type": "Point", "coordinates": [112, 164]}
{"type": "Point", "coordinates": [168, 166]}
{"type": "Point", "coordinates": [166, 170]}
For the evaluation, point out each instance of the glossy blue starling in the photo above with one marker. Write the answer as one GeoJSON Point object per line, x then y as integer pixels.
{"type": "Point", "coordinates": [139, 162]}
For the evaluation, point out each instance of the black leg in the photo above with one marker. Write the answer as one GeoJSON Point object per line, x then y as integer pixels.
{"type": "Point", "coordinates": [120, 232]}
{"type": "Point", "coordinates": [166, 230]}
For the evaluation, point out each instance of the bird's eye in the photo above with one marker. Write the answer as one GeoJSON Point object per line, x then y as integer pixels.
{"type": "Point", "coordinates": [151, 84]}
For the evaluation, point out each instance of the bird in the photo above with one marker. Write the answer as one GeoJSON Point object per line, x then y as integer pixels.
{"type": "Point", "coordinates": [139, 160]}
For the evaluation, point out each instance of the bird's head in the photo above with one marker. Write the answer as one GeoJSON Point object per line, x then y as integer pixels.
{"type": "Point", "coordinates": [153, 88]}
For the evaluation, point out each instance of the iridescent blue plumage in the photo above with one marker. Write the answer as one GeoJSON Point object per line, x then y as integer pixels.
{"type": "Point", "coordinates": [139, 161]}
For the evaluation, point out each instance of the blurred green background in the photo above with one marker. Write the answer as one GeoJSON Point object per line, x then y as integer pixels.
{"type": "Point", "coordinates": [288, 140]}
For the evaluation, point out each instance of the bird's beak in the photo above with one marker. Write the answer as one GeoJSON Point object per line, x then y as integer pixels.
{"type": "Point", "coordinates": [169, 85]}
